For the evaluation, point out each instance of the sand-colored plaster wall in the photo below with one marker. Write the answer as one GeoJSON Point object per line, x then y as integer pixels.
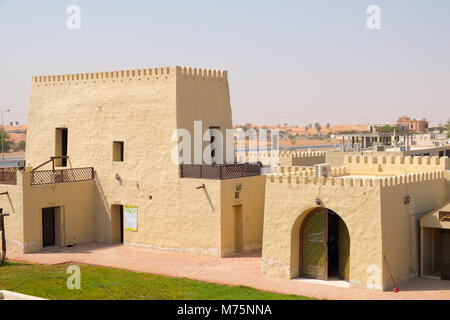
{"type": "Point", "coordinates": [251, 200]}
{"type": "Point", "coordinates": [389, 165]}
{"type": "Point", "coordinates": [431, 219]}
{"type": "Point", "coordinates": [12, 203]}
{"type": "Point", "coordinates": [400, 221]}
{"type": "Point", "coordinates": [180, 217]}
{"type": "Point", "coordinates": [141, 108]}
{"type": "Point", "coordinates": [74, 217]}
{"type": "Point", "coordinates": [203, 96]}
{"type": "Point", "coordinates": [288, 203]}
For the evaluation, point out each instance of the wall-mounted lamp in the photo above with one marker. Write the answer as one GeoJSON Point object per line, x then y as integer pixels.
{"type": "Point", "coordinates": [317, 201]}
{"type": "Point", "coordinates": [201, 187]}
{"type": "Point", "coordinates": [117, 177]}
{"type": "Point", "coordinates": [239, 187]}
{"type": "Point", "coordinates": [22, 164]}
{"type": "Point", "coordinates": [407, 199]}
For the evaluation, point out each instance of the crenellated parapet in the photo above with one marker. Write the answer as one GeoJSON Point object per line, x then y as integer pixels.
{"type": "Point", "coordinates": [302, 154]}
{"type": "Point", "coordinates": [332, 181]}
{"type": "Point", "coordinates": [357, 181]}
{"type": "Point", "coordinates": [383, 165]}
{"type": "Point", "coordinates": [140, 74]}
{"type": "Point", "coordinates": [203, 73]}
{"type": "Point", "coordinates": [104, 75]}
{"type": "Point", "coordinates": [301, 158]}
{"type": "Point", "coordinates": [308, 171]}
{"type": "Point", "coordinates": [285, 158]}
{"type": "Point", "coordinates": [412, 178]}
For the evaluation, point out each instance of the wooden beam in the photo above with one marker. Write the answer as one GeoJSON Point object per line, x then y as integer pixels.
{"type": "Point", "coordinates": [2, 228]}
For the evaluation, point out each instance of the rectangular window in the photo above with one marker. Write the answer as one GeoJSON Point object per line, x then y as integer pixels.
{"type": "Point", "coordinates": [118, 151]}
{"type": "Point", "coordinates": [215, 144]}
{"type": "Point", "coordinates": [61, 143]}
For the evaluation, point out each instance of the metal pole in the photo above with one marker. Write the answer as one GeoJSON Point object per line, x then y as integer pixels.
{"type": "Point", "coordinates": [3, 129]}
{"type": "Point", "coordinates": [3, 133]}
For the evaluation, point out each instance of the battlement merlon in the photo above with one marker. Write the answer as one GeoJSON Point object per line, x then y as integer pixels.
{"type": "Point", "coordinates": [359, 182]}
{"type": "Point", "coordinates": [438, 162]}
{"type": "Point", "coordinates": [165, 71]}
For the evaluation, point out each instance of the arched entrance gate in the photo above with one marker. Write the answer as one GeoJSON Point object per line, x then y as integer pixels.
{"type": "Point", "coordinates": [324, 246]}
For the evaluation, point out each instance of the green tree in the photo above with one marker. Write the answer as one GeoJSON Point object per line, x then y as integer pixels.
{"type": "Point", "coordinates": [21, 145]}
{"type": "Point", "coordinates": [389, 129]}
{"type": "Point", "coordinates": [447, 126]}
{"type": "Point", "coordinates": [7, 143]}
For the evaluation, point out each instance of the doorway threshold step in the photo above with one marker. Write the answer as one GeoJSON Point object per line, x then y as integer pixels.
{"type": "Point", "coordinates": [334, 282]}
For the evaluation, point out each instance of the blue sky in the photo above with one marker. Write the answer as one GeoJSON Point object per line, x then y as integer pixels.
{"type": "Point", "coordinates": [289, 61]}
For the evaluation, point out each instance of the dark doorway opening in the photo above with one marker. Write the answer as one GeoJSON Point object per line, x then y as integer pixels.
{"type": "Point", "coordinates": [117, 223]}
{"type": "Point", "coordinates": [324, 246]}
{"type": "Point", "coordinates": [121, 224]}
{"type": "Point", "coordinates": [64, 141]}
{"type": "Point", "coordinates": [48, 227]}
{"type": "Point", "coordinates": [333, 249]}
{"type": "Point", "coordinates": [61, 145]}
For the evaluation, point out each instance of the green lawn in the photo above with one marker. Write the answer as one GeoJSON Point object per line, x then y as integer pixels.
{"type": "Point", "coordinates": [108, 283]}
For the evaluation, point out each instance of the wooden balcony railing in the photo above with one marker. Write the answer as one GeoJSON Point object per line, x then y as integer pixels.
{"type": "Point", "coordinates": [8, 176]}
{"type": "Point", "coordinates": [61, 176]}
{"type": "Point", "coordinates": [220, 171]}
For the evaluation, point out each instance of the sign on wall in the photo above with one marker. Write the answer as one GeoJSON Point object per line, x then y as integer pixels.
{"type": "Point", "coordinates": [130, 214]}
{"type": "Point", "coordinates": [444, 215]}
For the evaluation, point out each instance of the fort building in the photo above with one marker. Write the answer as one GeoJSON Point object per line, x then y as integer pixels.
{"type": "Point", "coordinates": [100, 168]}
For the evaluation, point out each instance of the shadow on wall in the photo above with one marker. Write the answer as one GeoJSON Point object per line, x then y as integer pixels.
{"type": "Point", "coordinates": [209, 199]}
{"type": "Point", "coordinates": [102, 214]}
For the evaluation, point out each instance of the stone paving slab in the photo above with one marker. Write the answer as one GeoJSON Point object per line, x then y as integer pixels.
{"type": "Point", "coordinates": [240, 270]}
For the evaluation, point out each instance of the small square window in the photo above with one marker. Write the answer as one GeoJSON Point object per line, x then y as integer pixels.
{"type": "Point", "coordinates": [118, 151]}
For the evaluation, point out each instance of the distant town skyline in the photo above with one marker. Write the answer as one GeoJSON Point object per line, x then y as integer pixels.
{"type": "Point", "coordinates": [294, 62]}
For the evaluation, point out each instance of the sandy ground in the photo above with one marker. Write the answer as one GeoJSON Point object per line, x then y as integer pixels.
{"type": "Point", "coordinates": [241, 270]}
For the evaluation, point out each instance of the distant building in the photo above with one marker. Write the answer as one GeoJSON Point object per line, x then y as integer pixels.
{"type": "Point", "coordinates": [413, 125]}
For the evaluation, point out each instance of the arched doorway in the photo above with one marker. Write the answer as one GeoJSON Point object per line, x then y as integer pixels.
{"type": "Point", "coordinates": [324, 246]}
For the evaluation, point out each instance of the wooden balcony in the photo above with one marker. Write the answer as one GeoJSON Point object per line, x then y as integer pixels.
{"type": "Point", "coordinates": [220, 171]}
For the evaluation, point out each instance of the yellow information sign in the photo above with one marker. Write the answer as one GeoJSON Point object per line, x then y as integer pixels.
{"type": "Point", "coordinates": [130, 217]}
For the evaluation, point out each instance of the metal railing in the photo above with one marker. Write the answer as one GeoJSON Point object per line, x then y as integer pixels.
{"type": "Point", "coordinates": [61, 176]}
{"type": "Point", "coordinates": [8, 176]}
{"type": "Point", "coordinates": [220, 171]}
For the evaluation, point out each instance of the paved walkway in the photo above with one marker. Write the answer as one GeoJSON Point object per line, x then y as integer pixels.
{"type": "Point", "coordinates": [242, 270]}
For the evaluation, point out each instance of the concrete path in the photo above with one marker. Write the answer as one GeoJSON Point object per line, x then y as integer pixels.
{"type": "Point", "coordinates": [242, 270]}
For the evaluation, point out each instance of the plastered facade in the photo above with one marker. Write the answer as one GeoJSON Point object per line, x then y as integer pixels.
{"type": "Point", "coordinates": [368, 194]}
{"type": "Point", "coordinates": [142, 109]}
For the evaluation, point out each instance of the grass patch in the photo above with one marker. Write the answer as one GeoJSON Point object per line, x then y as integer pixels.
{"type": "Point", "coordinates": [102, 283]}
